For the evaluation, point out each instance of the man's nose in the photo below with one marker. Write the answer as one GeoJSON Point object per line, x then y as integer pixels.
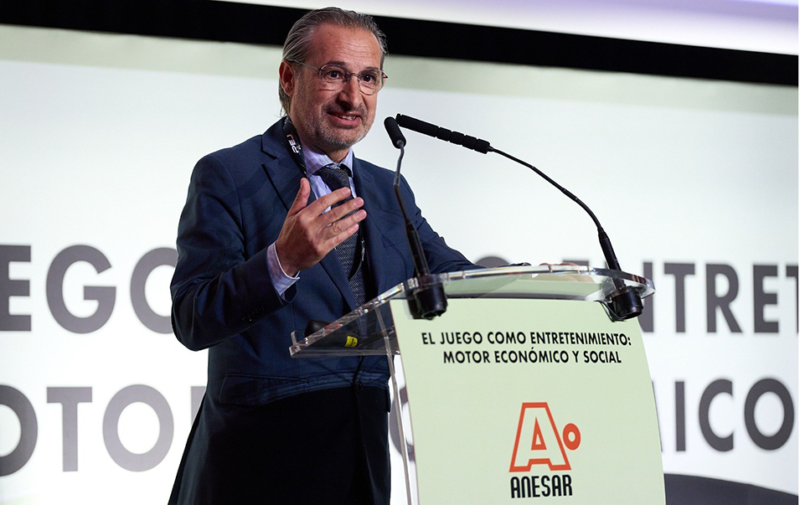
{"type": "Point", "coordinates": [351, 90]}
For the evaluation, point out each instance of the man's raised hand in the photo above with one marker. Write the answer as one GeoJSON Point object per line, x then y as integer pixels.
{"type": "Point", "coordinates": [308, 235]}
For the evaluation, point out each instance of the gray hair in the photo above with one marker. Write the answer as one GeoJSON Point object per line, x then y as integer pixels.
{"type": "Point", "coordinates": [298, 40]}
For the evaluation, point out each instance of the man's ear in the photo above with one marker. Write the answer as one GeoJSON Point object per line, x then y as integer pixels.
{"type": "Point", "coordinates": [287, 76]}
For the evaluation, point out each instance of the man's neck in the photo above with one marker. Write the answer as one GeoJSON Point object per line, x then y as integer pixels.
{"type": "Point", "coordinates": [336, 156]}
{"type": "Point", "coordinates": [315, 159]}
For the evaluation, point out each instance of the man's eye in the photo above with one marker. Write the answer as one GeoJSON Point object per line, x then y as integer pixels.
{"type": "Point", "coordinates": [369, 77]}
{"type": "Point", "coordinates": [333, 74]}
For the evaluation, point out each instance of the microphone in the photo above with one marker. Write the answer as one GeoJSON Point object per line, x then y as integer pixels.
{"type": "Point", "coordinates": [626, 303]}
{"type": "Point", "coordinates": [393, 129]}
{"type": "Point", "coordinates": [427, 299]}
{"type": "Point", "coordinates": [418, 126]}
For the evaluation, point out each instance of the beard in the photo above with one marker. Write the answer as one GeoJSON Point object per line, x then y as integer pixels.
{"type": "Point", "coordinates": [327, 136]}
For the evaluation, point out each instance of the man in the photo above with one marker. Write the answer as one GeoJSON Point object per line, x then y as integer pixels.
{"type": "Point", "coordinates": [259, 255]}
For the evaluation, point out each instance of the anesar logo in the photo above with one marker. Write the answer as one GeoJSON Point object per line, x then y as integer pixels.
{"type": "Point", "coordinates": [540, 442]}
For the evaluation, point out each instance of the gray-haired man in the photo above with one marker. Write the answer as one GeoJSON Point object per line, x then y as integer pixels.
{"type": "Point", "coordinates": [259, 255]}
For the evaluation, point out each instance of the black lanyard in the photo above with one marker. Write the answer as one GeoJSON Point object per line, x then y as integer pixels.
{"type": "Point", "coordinates": [293, 144]}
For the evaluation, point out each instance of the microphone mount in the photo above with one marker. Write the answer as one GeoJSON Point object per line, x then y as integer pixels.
{"type": "Point", "coordinates": [427, 299]}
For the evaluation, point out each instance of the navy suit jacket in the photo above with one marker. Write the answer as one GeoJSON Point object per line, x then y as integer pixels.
{"type": "Point", "coordinates": [223, 298]}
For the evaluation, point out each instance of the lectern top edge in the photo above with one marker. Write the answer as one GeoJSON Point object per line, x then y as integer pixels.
{"type": "Point", "coordinates": [362, 331]}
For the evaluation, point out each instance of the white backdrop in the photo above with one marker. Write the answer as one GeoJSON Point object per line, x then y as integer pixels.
{"type": "Point", "coordinates": [98, 136]}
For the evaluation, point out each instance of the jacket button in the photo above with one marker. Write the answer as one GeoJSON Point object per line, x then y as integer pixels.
{"type": "Point", "coordinates": [359, 386]}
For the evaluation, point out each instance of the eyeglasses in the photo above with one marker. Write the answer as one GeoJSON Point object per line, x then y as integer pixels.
{"type": "Point", "coordinates": [370, 81]}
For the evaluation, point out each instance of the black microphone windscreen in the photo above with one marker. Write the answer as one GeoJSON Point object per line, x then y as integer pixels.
{"type": "Point", "coordinates": [417, 125]}
{"type": "Point", "coordinates": [393, 129]}
{"type": "Point", "coordinates": [480, 145]}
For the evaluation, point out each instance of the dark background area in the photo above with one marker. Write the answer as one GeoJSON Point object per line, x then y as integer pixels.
{"type": "Point", "coordinates": [268, 25]}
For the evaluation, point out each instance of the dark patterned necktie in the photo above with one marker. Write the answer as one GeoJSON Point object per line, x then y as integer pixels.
{"type": "Point", "coordinates": [351, 251]}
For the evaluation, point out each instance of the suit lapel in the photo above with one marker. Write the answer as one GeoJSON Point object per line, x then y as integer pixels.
{"type": "Point", "coordinates": [333, 267]}
{"type": "Point", "coordinates": [367, 189]}
{"type": "Point", "coordinates": [285, 176]}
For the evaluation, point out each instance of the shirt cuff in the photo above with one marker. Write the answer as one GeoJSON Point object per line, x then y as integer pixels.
{"type": "Point", "coordinates": [280, 280]}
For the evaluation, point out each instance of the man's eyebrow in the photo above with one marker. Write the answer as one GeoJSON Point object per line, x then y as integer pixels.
{"type": "Point", "coordinates": [343, 64]}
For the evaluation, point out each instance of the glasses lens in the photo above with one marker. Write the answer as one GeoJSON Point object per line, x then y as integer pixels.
{"type": "Point", "coordinates": [371, 81]}
{"type": "Point", "coordinates": [333, 75]}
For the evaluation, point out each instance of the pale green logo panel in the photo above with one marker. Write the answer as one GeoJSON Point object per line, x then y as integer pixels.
{"type": "Point", "coordinates": [516, 399]}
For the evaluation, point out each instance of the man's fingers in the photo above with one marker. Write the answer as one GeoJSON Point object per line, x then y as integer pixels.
{"type": "Point", "coordinates": [320, 204]}
{"type": "Point", "coordinates": [339, 231]}
{"type": "Point", "coordinates": [301, 199]}
{"type": "Point", "coordinates": [341, 236]}
{"type": "Point", "coordinates": [337, 213]}
{"type": "Point", "coordinates": [341, 225]}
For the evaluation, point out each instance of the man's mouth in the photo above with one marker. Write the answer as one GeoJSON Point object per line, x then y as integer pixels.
{"type": "Point", "coordinates": [347, 117]}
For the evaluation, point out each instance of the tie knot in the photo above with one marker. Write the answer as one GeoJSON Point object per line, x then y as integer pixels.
{"type": "Point", "coordinates": [335, 175]}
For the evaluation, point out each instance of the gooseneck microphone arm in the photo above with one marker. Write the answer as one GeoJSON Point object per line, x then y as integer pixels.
{"type": "Point", "coordinates": [605, 242]}
{"type": "Point", "coordinates": [427, 300]}
{"type": "Point", "coordinates": [418, 254]}
{"type": "Point", "coordinates": [627, 303]}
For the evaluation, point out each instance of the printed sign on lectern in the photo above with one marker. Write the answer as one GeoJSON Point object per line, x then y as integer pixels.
{"type": "Point", "coordinates": [512, 400]}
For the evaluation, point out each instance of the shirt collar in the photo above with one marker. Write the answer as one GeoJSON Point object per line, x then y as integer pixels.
{"type": "Point", "coordinates": [314, 160]}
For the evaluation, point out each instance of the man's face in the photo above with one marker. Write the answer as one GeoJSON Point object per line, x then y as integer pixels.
{"type": "Point", "coordinates": [332, 120]}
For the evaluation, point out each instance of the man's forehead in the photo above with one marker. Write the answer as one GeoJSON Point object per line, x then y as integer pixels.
{"type": "Point", "coordinates": [343, 45]}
